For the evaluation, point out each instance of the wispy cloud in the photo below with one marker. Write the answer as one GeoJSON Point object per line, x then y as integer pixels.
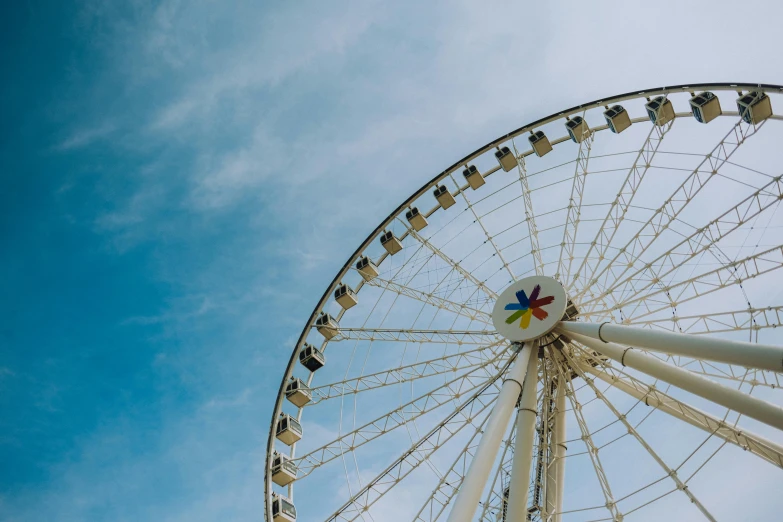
{"type": "Point", "coordinates": [84, 137]}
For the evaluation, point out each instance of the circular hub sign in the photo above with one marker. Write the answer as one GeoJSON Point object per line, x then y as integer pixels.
{"type": "Point", "coordinates": [529, 308]}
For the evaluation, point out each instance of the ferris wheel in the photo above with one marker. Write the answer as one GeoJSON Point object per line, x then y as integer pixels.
{"type": "Point", "coordinates": [578, 321]}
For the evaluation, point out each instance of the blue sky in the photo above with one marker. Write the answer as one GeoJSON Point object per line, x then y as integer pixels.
{"type": "Point", "coordinates": [183, 179]}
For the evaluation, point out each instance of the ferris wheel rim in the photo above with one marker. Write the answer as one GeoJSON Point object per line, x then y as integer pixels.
{"type": "Point", "coordinates": [656, 91]}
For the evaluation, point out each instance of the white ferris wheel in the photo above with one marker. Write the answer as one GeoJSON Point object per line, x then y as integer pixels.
{"type": "Point", "coordinates": [577, 321]}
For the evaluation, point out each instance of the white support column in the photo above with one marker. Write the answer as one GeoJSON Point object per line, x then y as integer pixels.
{"type": "Point", "coordinates": [730, 398]}
{"type": "Point", "coordinates": [467, 500]}
{"type": "Point", "coordinates": [559, 438]}
{"type": "Point", "coordinates": [523, 447]}
{"type": "Point", "coordinates": [751, 355]}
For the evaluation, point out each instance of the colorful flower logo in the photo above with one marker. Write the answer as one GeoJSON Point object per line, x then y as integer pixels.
{"type": "Point", "coordinates": [527, 307]}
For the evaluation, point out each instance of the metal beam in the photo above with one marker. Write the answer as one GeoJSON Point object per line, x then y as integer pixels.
{"type": "Point", "coordinates": [476, 478]}
{"type": "Point", "coordinates": [523, 446]}
{"type": "Point", "coordinates": [655, 398]}
{"type": "Point", "coordinates": [751, 355]}
{"type": "Point", "coordinates": [712, 391]}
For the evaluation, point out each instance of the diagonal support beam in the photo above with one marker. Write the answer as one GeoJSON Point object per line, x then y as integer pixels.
{"type": "Point", "coordinates": [675, 204]}
{"type": "Point", "coordinates": [730, 398]}
{"type": "Point", "coordinates": [750, 355]}
{"type": "Point", "coordinates": [467, 500]}
{"type": "Point", "coordinates": [523, 446]}
{"type": "Point", "coordinates": [411, 372]}
{"type": "Point", "coordinates": [574, 210]}
{"type": "Point", "coordinates": [431, 299]}
{"type": "Point", "coordinates": [417, 336]}
{"type": "Point", "coordinates": [456, 266]}
{"type": "Point", "coordinates": [530, 215]}
{"type": "Point", "coordinates": [753, 319]}
{"type": "Point", "coordinates": [620, 206]}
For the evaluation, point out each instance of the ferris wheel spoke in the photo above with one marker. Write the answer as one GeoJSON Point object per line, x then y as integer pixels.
{"type": "Point", "coordinates": [574, 210]}
{"type": "Point", "coordinates": [411, 372]}
{"type": "Point", "coordinates": [417, 336]}
{"type": "Point", "coordinates": [456, 266]}
{"type": "Point", "coordinates": [655, 398]}
{"type": "Point", "coordinates": [677, 202]}
{"type": "Point", "coordinates": [716, 279]}
{"type": "Point", "coordinates": [486, 232]}
{"type": "Point", "coordinates": [750, 319]}
{"type": "Point", "coordinates": [592, 450]}
{"type": "Point", "coordinates": [635, 434]}
{"type": "Point", "coordinates": [619, 207]}
{"type": "Point", "coordinates": [530, 215]}
{"type": "Point", "coordinates": [429, 298]}
{"type": "Point", "coordinates": [451, 480]}
{"type": "Point", "coordinates": [421, 450]}
{"type": "Point", "coordinates": [729, 374]}
{"type": "Point", "coordinates": [704, 238]}
{"type": "Point", "coordinates": [412, 410]}
{"type": "Point", "coordinates": [495, 499]}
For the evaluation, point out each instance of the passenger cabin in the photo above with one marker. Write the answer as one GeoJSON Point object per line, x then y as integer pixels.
{"type": "Point", "coordinates": [288, 429]}
{"type": "Point", "coordinates": [415, 218]}
{"type": "Point", "coordinates": [754, 107]}
{"type": "Point", "coordinates": [571, 312]}
{"type": "Point", "coordinates": [345, 297]}
{"type": "Point", "coordinates": [367, 268]}
{"type": "Point", "coordinates": [473, 177]}
{"type": "Point", "coordinates": [577, 129]}
{"type": "Point", "coordinates": [443, 196]}
{"type": "Point", "coordinates": [617, 118]}
{"type": "Point", "coordinates": [506, 159]}
{"type": "Point", "coordinates": [390, 242]}
{"type": "Point", "coordinates": [540, 143]}
{"type": "Point", "coordinates": [327, 326]}
{"type": "Point", "coordinates": [283, 509]}
{"type": "Point", "coordinates": [283, 470]}
{"type": "Point", "coordinates": [311, 357]}
{"type": "Point", "coordinates": [705, 107]}
{"type": "Point", "coordinates": [660, 110]}
{"type": "Point", "coordinates": [297, 392]}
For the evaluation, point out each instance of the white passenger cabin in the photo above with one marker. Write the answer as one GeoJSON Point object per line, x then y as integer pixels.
{"type": "Point", "coordinates": [443, 196]}
{"type": "Point", "coordinates": [345, 297]}
{"type": "Point", "coordinates": [390, 242]}
{"type": "Point", "coordinates": [415, 218]}
{"type": "Point", "coordinates": [367, 268]}
{"type": "Point", "coordinates": [577, 129]}
{"type": "Point", "coordinates": [705, 107]}
{"type": "Point", "coordinates": [297, 392]}
{"type": "Point", "coordinates": [754, 107]}
{"type": "Point", "coordinates": [540, 143]}
{"type": "Point", "coordinates": [283, 470]}
{"type": "Point", "coordinates": [506, 159]}
{"type": "Point", "coordinates": [311, 357]}
{"type": "Point", "coordinates": [660, 110]}
{"type": "Point", "coordinates": [326, 326]}
{"type": "Point", "coordinates": [288, 429]}
{"type": "Point", "coordinates": [473, 177]}
{"type": "Point", "coordinates": [617, 118]}
{"type": "Point", "coordinates": [283, 509]}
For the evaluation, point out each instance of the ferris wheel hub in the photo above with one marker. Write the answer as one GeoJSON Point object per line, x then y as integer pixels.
{"type": "Point", "coordinates": [529, 308]}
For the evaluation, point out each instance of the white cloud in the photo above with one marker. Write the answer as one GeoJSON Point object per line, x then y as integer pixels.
{"type": "Point", "coordinates": [84, 137]}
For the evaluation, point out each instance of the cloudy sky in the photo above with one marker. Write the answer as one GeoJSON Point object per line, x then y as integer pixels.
{"type": "Point", "coordinates": [182, 179]}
